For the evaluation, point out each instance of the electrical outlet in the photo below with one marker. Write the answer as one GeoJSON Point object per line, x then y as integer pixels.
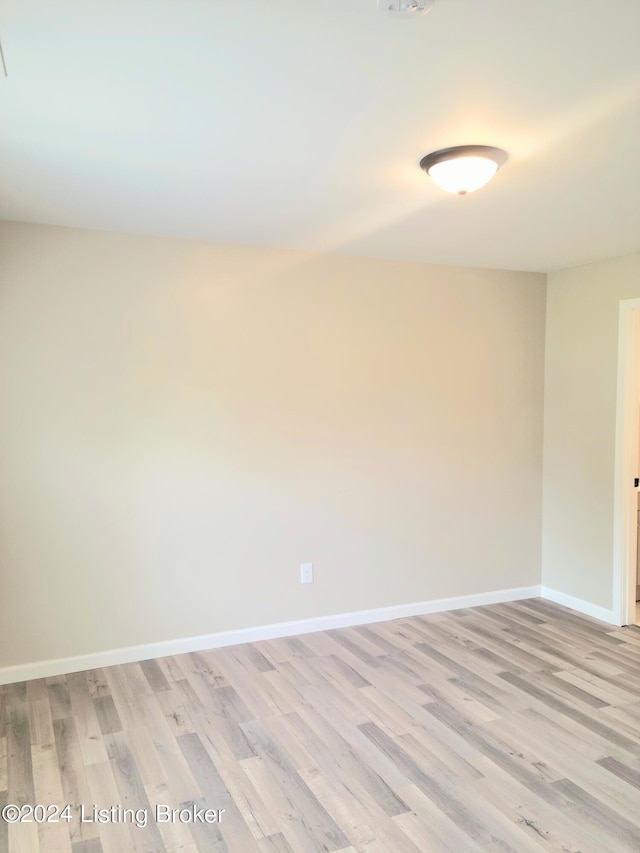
{"type": "Point", "coordinates": [306, 573]}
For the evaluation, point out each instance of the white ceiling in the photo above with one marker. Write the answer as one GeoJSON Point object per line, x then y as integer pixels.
{"type": "Point", "coordinates": [301, 124]}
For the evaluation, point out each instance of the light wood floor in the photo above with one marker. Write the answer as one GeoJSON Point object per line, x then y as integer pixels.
{"type": "Point", "coordinates": [513, 727]}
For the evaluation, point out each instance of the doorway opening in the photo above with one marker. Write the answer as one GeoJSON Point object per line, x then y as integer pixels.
{"type": "Point", "coordinates": [627, 467]}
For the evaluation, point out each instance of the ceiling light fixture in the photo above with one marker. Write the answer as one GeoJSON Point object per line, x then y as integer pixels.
{"type": "Point", "coordinates": [463, 169]}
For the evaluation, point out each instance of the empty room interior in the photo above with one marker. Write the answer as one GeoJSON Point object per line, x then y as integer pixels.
{"type": "Point", "coordinates": [319, 426]}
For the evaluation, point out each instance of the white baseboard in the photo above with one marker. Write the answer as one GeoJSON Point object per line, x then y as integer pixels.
{"type": "Point", "coordinates": [131, 654]}
{"type": "Point", "coordinates": [580, 605]}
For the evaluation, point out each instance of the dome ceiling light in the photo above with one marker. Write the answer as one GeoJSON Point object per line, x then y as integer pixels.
{"type": "Point", "coordinates": [463, 169]}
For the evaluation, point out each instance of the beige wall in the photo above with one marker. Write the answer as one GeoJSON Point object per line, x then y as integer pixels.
{"type": "Point", "coordinates": [580, 424]}
{"type": "Point", "coordinates": [183, 425]}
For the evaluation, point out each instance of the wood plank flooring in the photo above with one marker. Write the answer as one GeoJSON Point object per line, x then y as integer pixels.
{"type": "Point", "coordinates": [512, 727]}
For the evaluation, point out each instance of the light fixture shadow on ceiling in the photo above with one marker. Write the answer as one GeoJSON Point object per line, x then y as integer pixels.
{"type": "Point", "coordinates": [359, 228]}
{"type": "Point", "coordinates": [363, 224]}
{"type": "Point", "coordinates": [575, 123]}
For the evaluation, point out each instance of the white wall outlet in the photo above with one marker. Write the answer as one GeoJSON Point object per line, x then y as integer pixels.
{"type": "Point", "coordinates": [306, 573]}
